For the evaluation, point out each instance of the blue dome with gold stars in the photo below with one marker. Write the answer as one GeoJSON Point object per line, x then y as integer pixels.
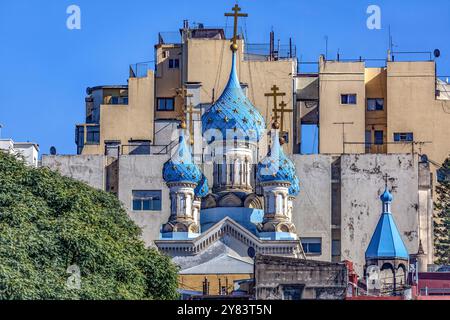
{"type": "Point", "coordinates": [202, 188]}
{"type": "Point", "coordinates": [233, 112]}
{"type": "Point", "coordinates": [277, 167]}
{"type": "Point", "coordinates": [181, 167]}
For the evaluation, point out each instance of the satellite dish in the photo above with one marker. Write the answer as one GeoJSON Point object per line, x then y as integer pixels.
{"type": "Point", "coordinates": [53, 151]}
{"type": "Point", "coordinates": [251, 252]}
{"type": "Point", "coordinates": [437, 53]}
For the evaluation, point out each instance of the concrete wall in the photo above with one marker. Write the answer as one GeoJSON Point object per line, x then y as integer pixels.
{"type": "Point", "coordinates": [361, 185]}
{"type": "Point", "coordinates": [312, 208]}
{"type": "Point", "coordinates": [360, 182]}
{"type": "Point", "coordinates": [144, 173]}
{"type": "Point", "coordinates": [276, 277]}
{"type": "Point", "coordinates": [86, 168]}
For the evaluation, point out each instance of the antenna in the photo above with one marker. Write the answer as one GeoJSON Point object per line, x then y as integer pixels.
{"type": "Point", "coordinates": [1, 127]}
{"type": "Point", "coordinates": [326, 47]}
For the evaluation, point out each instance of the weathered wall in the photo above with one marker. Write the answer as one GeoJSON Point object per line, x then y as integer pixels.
{"type": "Point", "coordinates": [312, 207]}
{"type": "Point", "coordinates": [362, 184]}
{"type": "Point", "coordinates": [144, 172]}
{"type": "Point", "coordinates": [86, 168]}
{"type": "Point", "coordinates": [313, 279]}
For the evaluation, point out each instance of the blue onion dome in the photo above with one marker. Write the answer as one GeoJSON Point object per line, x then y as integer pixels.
{"type": "Point", "coordinates": [294, 190]}
{"type": "Point", "coordinates": [386, 196]}
{"type": "Point", "coordinates": [277, 167]}
{"type": "Point", "coordinates": [181, 167]}
{"type": "Point", "coordinates": [202, 188]}
{"type": "Point", "coordinates": [233, 112]}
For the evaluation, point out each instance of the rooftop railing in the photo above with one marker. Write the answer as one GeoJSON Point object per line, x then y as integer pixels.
{"type": "Point", "coordinates": [140, 69]}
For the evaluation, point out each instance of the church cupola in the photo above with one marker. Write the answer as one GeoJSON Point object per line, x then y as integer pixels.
{"type": "Point", "coordinates": [277, 177]}
{"type": "Point", "coordinates": [387, 249]}
{"type": "Point", "coordinates": [187, 185]}
{"type": "Point", "coordinates": [232, 127]}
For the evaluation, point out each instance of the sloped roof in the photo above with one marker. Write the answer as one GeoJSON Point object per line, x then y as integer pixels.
{"type": "Point", "coordinates": [222, 264]}
{"type": "Point", "coordinates": [386, 241]}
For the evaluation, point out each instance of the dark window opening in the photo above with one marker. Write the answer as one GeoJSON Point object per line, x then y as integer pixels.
{"type": "Point", "coordinates": [174, 63]}
{"type": "Point", "coordinates": [312, 245]}
{"type": "Point", "coordinates": [375, 104]}
{"type": "Point", "coordinates": [378, 137]}
{"type": "Point", "coordinates": [165, 104]}
{"type": "Point", "coordinates": [404, 137]}
{"type": "Point", "coordinates": [146, 200]}
{"type": "Point", "coordinates": [348, 99]}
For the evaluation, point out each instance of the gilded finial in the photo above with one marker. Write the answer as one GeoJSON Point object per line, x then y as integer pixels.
{"type": "Point", "coordinates": [234, 47]}
{"type": "Point", "coordinates": [183, 123]}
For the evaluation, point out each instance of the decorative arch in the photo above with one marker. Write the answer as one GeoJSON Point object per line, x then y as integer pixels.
{"type": "Point", "coordinates": [252, 201]}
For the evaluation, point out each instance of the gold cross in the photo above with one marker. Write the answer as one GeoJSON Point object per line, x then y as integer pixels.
{"type": "Point", "coordinates": [189, 110]}
{"type": "Point", "coordinates": [275, 94]}
{"type": "Point", "coordinates": [386, 178]}
{"type": "Point", "coordinates": [283, 110]}
{"type": "Point", "coordinates": [236, 15]}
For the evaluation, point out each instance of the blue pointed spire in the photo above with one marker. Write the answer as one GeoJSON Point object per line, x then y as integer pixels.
{"type": "Point", "coordinates": [233, 111]}
{"type": "Point", "coordinates": [181, 167]}
{"type": "Point", "coordinates": [386, 242]}
{"type": "Point", "coordinates": [278, 167]}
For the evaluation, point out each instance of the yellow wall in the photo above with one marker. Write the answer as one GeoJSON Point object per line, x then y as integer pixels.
{"type": "Point", "coordinates": [376, 87]}
{"type": "Point", "coordinates": [412, 107]}
{"type": "Point", "coordinates": [126, 122]}
{"type": "Point", "coordinates": [338, 78]}
{"type": "Point", "coordinates": [195, 281]}
{"type": "Point", "coordinates": [168, 80]}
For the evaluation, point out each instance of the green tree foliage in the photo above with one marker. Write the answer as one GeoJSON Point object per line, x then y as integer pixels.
{"type": "Point", "coordinates": [442, 216]}
{"type": "Point", "coordinates": [49, 222]}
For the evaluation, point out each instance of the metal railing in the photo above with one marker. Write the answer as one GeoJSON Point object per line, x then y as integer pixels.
{"type": "Point", "coordinates": [140, 69]}
{"type": "Point", "coordinates": [261, 51]}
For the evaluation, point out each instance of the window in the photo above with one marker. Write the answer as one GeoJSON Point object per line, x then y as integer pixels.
{"type": "Point", "coordinates": [312, 245]}
{"type": "Point", "coordinates": [93, 135]}
{"type": "Point", "coordinates": [336, 248]}
{"type": "Point", "coordinates": [348, 99]}
{"type": "Point", "coordinates": [368, 140]}
{"type": "Point", "coordinates": [165, 104]}
{"type": "Point", "coordinates": [114, 100]}
{"type": "Point", "coordinates": [375, 104]}
{"type": "Point", "coordinates": [146, 200]}
{"type": "Point", "coordinates": [404, 137]}
{"type": "Point", "coordinates": [174, 63]}
{"type": "Point", "coordinates": [379, 137]}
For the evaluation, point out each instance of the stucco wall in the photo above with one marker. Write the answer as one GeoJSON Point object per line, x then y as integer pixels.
{"type": "Point", "coordinates": [144, 172]}
{"type": "Point", "coordinates": [86, 168]}
{"type": "Point", "coordinates": [312, 207]}
{"type": "Point", "coordinates": [362, 184]}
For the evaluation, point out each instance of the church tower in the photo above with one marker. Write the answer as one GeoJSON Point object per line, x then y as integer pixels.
{"type": "Point", "coordinates": [387, 249]}
{"type": "Point", "coordinates": [187, 185]}
{"type": "Point", "coordinates": [232, 127]}
{"type": "Point", "coordinates": [280, 184]}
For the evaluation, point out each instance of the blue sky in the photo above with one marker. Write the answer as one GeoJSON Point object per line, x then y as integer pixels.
{"type": "Point", "coordinates": [45, 67]}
